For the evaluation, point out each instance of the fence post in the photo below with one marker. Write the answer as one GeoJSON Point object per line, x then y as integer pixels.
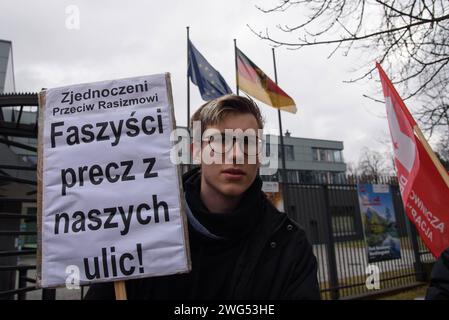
{"type": "Point", "coordinates": [284, 189]}
{"type": "Point", "coordinates": [22, 284]}
{"type": "Point", "coordinates": [419, 270]}
{"type": "Point", "coordinates": [330, 248]}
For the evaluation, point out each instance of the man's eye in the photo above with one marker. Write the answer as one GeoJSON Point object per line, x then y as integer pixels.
{"type": "Point", "coordinates": [215, 138]}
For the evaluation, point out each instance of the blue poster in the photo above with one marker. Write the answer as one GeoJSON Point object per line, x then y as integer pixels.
{"type": "Point", "coordinates": [379, 222]}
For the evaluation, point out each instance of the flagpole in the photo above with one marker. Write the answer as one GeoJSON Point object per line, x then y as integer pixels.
{"type": "Point", "coordinates": [441, 170]}
{"type": "Point", "coordinates": [188, 81]}
{"type": "Point", "coordinates": [283, 172]}
{"type": "Point", "coordinates": [236, 68]}
{"type": "Point", "coordinates": [279, 118]}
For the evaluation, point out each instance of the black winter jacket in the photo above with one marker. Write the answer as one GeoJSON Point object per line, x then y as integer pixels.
{"type": "Point", "coordinates": [439, 279]}
{"type": "Point", "coordinates": [255, 252]}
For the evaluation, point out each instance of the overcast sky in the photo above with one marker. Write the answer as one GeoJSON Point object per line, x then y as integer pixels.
{"type": "Point", "coordinates": [129, 38]}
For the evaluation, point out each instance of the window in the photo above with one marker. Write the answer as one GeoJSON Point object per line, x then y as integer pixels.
{"type": "Point", "coordinates": [289, 155]}
{"type": "Point", "coordinates": [288, 149]}
{"type": "Point", "coordinates": [316, 155]}
{"type": "Point", "coordinates": [337, 156]}
{"type": "Point", "coordinates": [326, 155]}
{"type": "Point", "coordinates": [322, 155]}
{"type": "Point", "coordinates": [292, 176]}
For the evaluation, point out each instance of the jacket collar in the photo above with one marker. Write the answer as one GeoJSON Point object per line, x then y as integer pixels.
{"type": "Point", "coordinates": [234, 225]}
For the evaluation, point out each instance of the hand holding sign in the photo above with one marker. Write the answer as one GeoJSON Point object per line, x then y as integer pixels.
{"type": "Point", "coordinates": [109, 198]}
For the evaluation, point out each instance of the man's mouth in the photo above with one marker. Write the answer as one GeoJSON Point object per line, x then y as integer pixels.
{"type": "Point", "coordinates": [233, 173]}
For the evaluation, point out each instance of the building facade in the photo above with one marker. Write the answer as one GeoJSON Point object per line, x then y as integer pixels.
{"type": "Point", "coordinates": [15, 114]}
{"type": "Point", "coordinates": [310, 160]}
{"type": "Point", "coordinates": [6, 67]}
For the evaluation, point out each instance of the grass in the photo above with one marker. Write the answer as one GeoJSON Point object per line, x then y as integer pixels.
{"type": "Point", "coordinates": [360, 282]}
{"type": "Point", "coordinates": [419, 292]}
{"type": "Point", "coordinates": [405, 243]}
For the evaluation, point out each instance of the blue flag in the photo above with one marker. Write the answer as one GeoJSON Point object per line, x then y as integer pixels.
{"type": "Point", "coordinates": [209, 81]}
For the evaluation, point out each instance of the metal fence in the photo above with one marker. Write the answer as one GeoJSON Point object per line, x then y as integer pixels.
{"type": "Point", "coordinates": [330, 214]}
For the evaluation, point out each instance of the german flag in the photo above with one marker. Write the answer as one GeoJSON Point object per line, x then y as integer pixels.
{"type": "Point", "coordinates": [256, 83]}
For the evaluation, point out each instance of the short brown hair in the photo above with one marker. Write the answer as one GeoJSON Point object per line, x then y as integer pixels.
{"type": "Point", "coordinates": [212, 112]}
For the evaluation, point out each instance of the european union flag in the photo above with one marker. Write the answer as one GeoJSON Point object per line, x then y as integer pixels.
{"type": "Point", "coordinates": [209, 81]}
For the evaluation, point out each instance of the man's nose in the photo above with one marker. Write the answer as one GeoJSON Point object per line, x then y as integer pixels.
{"type": "Point", "coordinates": [238, 156]}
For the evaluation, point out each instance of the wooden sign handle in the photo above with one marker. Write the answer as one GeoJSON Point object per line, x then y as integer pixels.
{"type": "Point", "coordinates": [120, 290]}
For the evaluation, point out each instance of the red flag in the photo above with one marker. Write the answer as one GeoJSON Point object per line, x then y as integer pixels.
{"type": "Point", "coordinates": [423, 181]}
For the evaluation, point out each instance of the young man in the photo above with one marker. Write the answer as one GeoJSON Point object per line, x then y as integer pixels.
{"type": "Point", "coordinates": [241, 246]}
{"type": "Point", "coordinates": [439, 279]}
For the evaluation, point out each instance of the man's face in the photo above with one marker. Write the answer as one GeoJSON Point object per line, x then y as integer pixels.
{"type": "Point", "coordinates": [230, 177]}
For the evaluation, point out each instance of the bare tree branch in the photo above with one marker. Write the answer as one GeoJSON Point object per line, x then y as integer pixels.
{"type": "Point", "coordinates": [408, 37]}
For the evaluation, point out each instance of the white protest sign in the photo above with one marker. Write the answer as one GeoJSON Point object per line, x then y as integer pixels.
{"type": "Point", "coordinates": [109, 197]}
